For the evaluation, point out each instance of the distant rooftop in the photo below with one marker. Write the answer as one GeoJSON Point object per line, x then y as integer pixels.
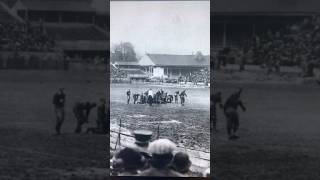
{"type": "Point", "coordinates": [127, 63]}
{"type": "Point", "coordinates": [175, 60]}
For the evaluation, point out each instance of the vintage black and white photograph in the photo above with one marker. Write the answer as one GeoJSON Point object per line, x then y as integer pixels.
{"type": "Point", "coordinates": [265, 110]}
{"type": "Point", "coordinates": [53, 89]}
{"type": "Point", "coordinates": [160, 88]}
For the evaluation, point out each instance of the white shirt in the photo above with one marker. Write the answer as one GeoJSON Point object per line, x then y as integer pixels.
{"type": "Point", "coordinates": [150, 93]}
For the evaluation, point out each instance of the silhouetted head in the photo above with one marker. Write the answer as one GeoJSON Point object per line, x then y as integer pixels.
{"type": "Point", "coordinates": [162, 153]}
{"type": "Point", "coordinates": [131, 159]}
{"type": "Point", "coordinates": [181, 162]}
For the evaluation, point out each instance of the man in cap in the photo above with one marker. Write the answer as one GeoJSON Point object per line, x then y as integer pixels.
{"type": "Point", "coordinates": [162, 155]}
{"type": "Point", "coordinates": [59, 100]}
{"type": "Point", "coordinates": [142, 139]}
{"type": "Point", "coordinates": [230, 111]}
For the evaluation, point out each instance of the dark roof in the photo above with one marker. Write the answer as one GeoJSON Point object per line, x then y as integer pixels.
{"type": "Point", "coordinates": [133, 71]}
{"type": "Point", "coordinates": [178, 60]}
{"type": "Point", "coordinates": [266, 6]}
{"type": "Point", "coordinates": [76, 32]}
{"type": "Point", "coordinates": [127, 63]}
{"type": "Point", "coordinates": [59, 5]}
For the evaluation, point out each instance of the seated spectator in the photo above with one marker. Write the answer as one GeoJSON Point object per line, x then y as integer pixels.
{"type": "Point", "coordinates": [128, 161]}
{"type": "Point", "coordinates": [142, 138]}
{"type": "Point", "coordinates": [181, 163]}
{"type": "Point", "coordinates": [162, 155]}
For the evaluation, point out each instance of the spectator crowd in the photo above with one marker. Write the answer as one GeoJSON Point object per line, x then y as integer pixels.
{"type": "Point", "coordinates": [293, 45]}
{"type": "Point", "coordinates": [157, 159]}
{"type": "Point", "coordinates": [117, 73]}
{"type": "Point", "coordinates": [202, 75]}
{"type": "Point", "coordinates": [24, 37]}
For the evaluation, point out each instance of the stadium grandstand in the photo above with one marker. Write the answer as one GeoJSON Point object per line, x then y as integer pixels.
{"type": "Point", "coordinates": [162, 67]}
{"type": "Point", "coordinates": [5, 14]}
{"type": "Point", "coordinates": [234, 21]}
{"type": "Point", "coordinates": [73, 29]}
{"type": "Point", "coordinates": [279, 37]}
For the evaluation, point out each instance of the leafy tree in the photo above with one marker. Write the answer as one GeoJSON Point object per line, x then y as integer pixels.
{"type": "Point", "coordinates": [199, 56]}
{"type": "Point", "coordinates": [124, 52]}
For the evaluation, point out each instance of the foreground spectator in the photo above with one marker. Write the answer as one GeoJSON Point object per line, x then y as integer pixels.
{"type": "Point", "coordinates": [162, 156]}
{"type": "Point", "coordinates": [128, 161]}
{"type": "Point", "coordinates": [181, 163]}
{"type": "Point", "coordinates": [142, 138]}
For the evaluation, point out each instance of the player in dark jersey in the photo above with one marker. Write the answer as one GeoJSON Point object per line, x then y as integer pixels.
{"type": "Point", "coordinates": [232, 116]}
{"type": "Point", "coordinates": [135, 98]}
{"type": "Point", "coordinates": [102, 119]}
{"type": "Point", "coordinates": [128, 96]}
{"type": "Point", "coordinates": [182, 97]}
{"type": "Point", "coordinates": [81, 111]}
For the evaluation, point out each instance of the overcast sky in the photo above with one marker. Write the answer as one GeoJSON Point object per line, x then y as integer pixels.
{"type": "Point", "coordinates": [178, 27]}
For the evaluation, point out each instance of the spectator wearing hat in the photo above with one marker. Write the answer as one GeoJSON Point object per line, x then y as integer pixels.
{"type": "Point", "coordinates": [128, 161]}
{"type": "Point", "coordinates": [162, 155]}
{"type": "Point", "coordinates": [181, 163]}
{"type": "Point", "coordinates": [142, 139]}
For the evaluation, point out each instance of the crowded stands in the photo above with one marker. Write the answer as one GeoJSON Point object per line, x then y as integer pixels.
{"type": "Point", "coordinates": [293, 45]}
{"type": "Point", "coordinates": [117, 73]}
{"type": "Point", "coordinates": [201, 76]}
{"type": "Point", "coordinates": [24, 37]}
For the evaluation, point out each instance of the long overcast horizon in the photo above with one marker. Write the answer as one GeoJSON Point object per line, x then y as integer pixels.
{"type": "Point", "coordinates": [163, 27]}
